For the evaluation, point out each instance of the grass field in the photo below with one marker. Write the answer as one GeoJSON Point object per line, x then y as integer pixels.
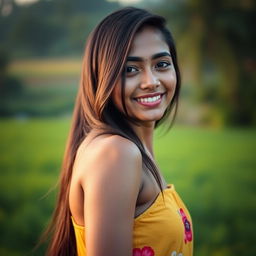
{"type": "Point", "coordinates": [34, 68]}
{"type": "Point", "coordinates": [213, 170]}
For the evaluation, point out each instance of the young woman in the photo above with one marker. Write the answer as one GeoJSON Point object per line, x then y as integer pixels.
{"type": "Point", "coordinates": [113, 199]}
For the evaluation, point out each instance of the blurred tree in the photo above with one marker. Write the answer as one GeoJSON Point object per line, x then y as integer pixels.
{"type": "Point", "coordinates": [10, 87]}
{"type": "Point", "coordinates": [50, 27]}
{"type": "Point", "coordinates": [33, 33]}
{"type": "Point", "coordinates": [216, 41]}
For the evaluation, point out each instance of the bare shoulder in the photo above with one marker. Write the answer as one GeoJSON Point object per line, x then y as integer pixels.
{"type": "Point", "coordinates": [111, 174]}
{"type": "Point", "coordinates": [110, 155]}
{"type": "Point", "coordinates": [117, 147]}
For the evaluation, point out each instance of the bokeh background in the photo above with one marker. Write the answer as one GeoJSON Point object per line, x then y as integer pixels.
{"type": "Point", "coordinates": [209, 154]}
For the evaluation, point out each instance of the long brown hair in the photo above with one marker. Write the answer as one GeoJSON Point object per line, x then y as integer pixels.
{"type": "Point", "coordinates": [103, 66]}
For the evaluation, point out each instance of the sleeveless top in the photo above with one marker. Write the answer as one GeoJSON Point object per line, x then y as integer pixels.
{"type": "Point", "coordinates": [163, 229]}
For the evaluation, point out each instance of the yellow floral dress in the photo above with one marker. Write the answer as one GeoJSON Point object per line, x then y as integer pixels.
{"type": "Point", "coordinates": [164, 229]}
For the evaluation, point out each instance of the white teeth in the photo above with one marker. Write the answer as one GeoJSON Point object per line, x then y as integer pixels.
{"type": "Point", "coordinates": [149, 99]}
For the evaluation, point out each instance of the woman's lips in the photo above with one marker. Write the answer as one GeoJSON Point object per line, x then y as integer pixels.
{"type": "Point", "coordinates": [150, 100]}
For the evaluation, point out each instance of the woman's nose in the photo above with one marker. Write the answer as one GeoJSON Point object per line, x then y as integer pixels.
{"type": "Point", "coordinates": [149, 80]}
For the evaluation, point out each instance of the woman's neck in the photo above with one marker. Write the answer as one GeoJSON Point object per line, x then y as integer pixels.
{"type": "Point", "coordinates": [145, 133]}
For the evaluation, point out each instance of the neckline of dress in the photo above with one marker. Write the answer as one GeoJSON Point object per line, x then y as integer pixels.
{"type": "Point", "coordinates": [169, 187]}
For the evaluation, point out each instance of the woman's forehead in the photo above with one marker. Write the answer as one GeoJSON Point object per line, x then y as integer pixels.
{"type": "Point", "coordinates": [148, 42]}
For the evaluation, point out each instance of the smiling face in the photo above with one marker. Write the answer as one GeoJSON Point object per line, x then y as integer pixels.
{"type": "Point", "coordinates": [150, 78]}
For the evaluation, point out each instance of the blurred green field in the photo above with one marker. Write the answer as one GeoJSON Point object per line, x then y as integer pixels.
{"type": "Point", "coordinates": [67, 67]}
{"type": "Point", "coordinates": [47, 87]}
{"type": "Point", "coordinates": [213, 170]}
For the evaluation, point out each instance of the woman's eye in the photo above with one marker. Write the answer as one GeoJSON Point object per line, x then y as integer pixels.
{"type": "Point", "coordinates": [131, 69]}
{"type": "Point", "coordinates": [163, 64]}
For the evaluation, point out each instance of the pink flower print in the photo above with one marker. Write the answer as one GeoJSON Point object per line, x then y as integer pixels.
{"type": "Point", "coordinates": [187, 226]}
{"type": "Point", "coordinates": [145, 251]}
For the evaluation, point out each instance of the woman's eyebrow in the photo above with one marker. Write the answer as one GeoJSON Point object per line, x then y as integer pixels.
{"type": "Point", "coordinates": [160, 54]}
{"type": "Point", "coordinates": [155, 56]}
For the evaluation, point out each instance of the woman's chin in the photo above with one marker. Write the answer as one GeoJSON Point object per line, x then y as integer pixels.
{"type": "Point", "coordinates": [150, 118]}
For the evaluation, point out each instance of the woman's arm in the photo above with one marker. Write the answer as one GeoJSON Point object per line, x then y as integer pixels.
{"type": "Point", "coordinates": [111, 187]}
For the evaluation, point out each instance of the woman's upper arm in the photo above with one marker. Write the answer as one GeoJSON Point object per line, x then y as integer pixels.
{"type": "Point", "coordinates": [111, 189]}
